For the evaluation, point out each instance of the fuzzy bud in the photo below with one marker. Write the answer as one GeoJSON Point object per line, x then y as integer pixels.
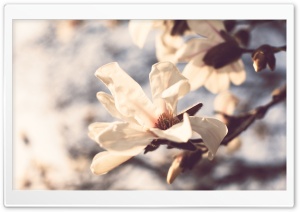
{"type": "Point", "coordinates": [279, 93]}
{"type": "Point", "coordinates": [262, 57]}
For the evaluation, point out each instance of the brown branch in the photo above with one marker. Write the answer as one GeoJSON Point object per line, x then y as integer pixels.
{"type": "Point", "coordinates": [274, 49]}
{"type": "Point", "coordinates": [236, 125]}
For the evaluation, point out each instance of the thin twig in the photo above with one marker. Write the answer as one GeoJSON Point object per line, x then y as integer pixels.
{"type": "Point", "coordinates": [275, 49]}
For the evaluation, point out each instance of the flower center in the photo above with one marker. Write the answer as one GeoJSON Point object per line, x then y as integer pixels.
{"type": "Point", "coordinates": [166, 120]}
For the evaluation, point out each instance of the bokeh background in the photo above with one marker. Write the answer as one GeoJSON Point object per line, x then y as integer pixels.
{"type": "Point", "coordinates": [54, 100]}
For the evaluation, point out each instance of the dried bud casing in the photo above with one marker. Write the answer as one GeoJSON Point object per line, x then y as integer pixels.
{"type": "Point", "coordinates": [243, 37]}
{"type": "Point", "coordinates": [262, 57]}
{"type": "Point", "coordinates": [223, 54]}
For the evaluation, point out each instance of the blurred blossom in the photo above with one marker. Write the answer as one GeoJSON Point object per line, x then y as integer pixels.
{"type": "Point", "coordinates": [174, 169]}
{"type": "Point", "coordinates": [234, 145]}
{"type": "Point", "coordinates": [65, 29]}
{"type": "Point", "coordinates": [213, 62]}
{"type": "Point", "coordinates": [143, 120]}
{"type": "Point", "coordinates": [112, 23]}
{"type": "Point", "coordinates": [167, 42]}
{"type": "Point", "coordinates": [225, 103]}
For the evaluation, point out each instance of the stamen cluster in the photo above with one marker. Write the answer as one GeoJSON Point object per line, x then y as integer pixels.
{"type": "Point", "coordinates": [166, 120]}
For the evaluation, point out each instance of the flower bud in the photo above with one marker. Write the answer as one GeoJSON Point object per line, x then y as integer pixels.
{"type": "Point", "coordinates": [223, 54]}
{"type": "Point", "coordinates": [262, 57]}
{"type": "Point", "coordinates": [279, 93]}
{"type": "Point", "coordinates": [174, 169]}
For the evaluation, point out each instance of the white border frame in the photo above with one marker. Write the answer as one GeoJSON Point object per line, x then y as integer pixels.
{"type": "Point", "coordinates": [17, 198]}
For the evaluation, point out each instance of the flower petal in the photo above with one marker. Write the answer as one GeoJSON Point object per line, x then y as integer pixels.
{"type": "Point", "coordinates": [211, 130]}
{"type": "Point", "coordinates": [124, 138]}
{"type": "Point", "coordinates": [217, 81]}
{"type": "Point", "coordinates": [197, 72]}
{"type": "Point", "coordinates": [180, 132]}
{"type": "Point", "coordinates": [105, 161]}
{"type": "Point", "coordinates": [174, 41]}
{"type": "Point", "coordinates": [208, 28]}
{"type": "Point", "coordinates": [95, 128]}
{"type": "Point", "coordinates": [139, 30]}
{"type": "Point", "coordinates": [225, 102]}
{"type": "Point", "coordinates": [238, 75]}
{"type": "Point", "coordinates": [109, 104]}
{"type": "Point", "coordinates": [223, 81]}
{"type": "Point", "coordinates": [130, 99]}
{"type": "Point", "coordinates": [164, 75]}
{"type": "Point", "coordinates": [192, 48]}
{"type": "Point", "coordinates": [166, 44]}
{"type": "Point", "coordinates": [165, 47]}
{"type": "Point", "coordinates": [174, 93]}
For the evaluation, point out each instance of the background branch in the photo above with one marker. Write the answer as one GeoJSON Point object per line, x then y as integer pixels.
{"type": "Point", "coordinates": [236, 125]}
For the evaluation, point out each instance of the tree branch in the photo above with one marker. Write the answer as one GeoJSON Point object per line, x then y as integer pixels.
{"type": "Point", "coordinates": [236, 125]}
{"type": "Point", "coordinates": [274, 49]}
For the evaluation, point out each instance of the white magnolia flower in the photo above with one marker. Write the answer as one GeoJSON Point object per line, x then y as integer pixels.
{"type": "Point", "coordinates": [225, 103]}
{"type": "Point", "coordinates": [201, 68]}
{"type": "Point", "coordinates": [166, 45]}
{"type": "Point", "coordinates": [144, 120]}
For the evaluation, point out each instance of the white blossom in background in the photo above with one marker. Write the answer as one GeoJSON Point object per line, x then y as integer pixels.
{"type": "Point", "coordinates": [194, 51]}
{"type": "Point", "coordinates": [225, 103]}
{"type": "Point", "coordinates": [166, 45]}
{"type": "Point", "coordinates": [66, 29]}
{"type": "Point", "coordinates": [144, 120]}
